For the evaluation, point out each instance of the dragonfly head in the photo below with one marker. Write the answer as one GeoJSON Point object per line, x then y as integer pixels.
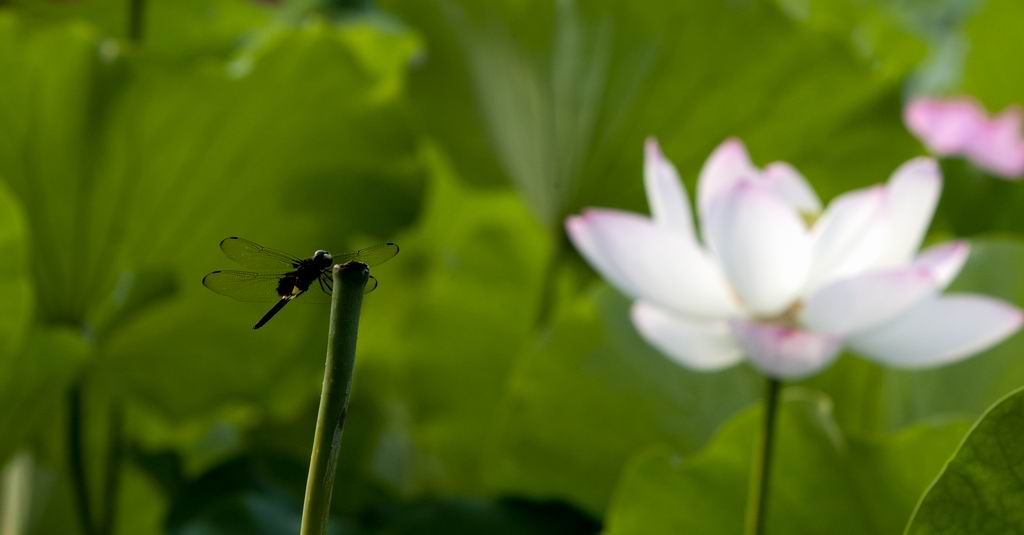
{"type": "Point", "coordinates": [322, 259]}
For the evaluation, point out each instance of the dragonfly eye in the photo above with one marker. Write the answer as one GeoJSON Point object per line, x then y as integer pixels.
{"type": "Point", "coordinates": [322, 258]}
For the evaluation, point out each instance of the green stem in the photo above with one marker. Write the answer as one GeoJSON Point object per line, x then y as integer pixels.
{"type": "Point", "coordinates": [76, 446]}
{"type": "Point", "coordinates": [76, 459]}
{"type": "Point", "coordinates": [112, 481]}
{"type": "Point", "coordinates": [107, 520]}
{"type": "Point", "coordinates": [546, 304]}
{"type": "Point", "coordinates": [760, 481]}
{"type": "Point", "coordinates": [349, 282]}
{"type": "Point", "coordinates": [136, 20]}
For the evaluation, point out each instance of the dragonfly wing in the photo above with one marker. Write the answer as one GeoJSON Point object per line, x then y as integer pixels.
{"type": "Point", "coordinates": [244, 285]}
{"type": "Point", "coordinates": [371, 256]}
{"type": "Point", "coordinates": [255, 256]}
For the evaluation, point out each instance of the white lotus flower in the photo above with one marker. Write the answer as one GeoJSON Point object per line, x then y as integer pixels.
{"type": "Point", "coordinates": [762, 282]}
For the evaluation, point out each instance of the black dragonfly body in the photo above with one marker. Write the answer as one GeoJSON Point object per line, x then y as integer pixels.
{"type": "Point", "coordinates": [284, 277]}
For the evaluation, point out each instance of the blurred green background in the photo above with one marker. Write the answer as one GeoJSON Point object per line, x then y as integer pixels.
{"type": "Point", "coordinates": [500, 386]}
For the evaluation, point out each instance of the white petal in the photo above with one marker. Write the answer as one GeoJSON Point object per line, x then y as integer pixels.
{"type": "Point", "coordinates": [582, 236]}
{"type": "Point", "coordinates": [857, 303]}
{"type": "Point", "coordinates": [912, 193]}
{"type": "Point", "coordinates": [695, 344]}
{"type": "Point", "coordinates": [726, 165]}
{"type": "Point", "coordinates": [939, 331]}
{"type": "Point", "coordinates": [648, 262]}
{"type": "Point", "coordinates": [762, 245]}
{"type": "Point", "coordinates": [784, 352]}
{"type": "Point", "coordinates": [844, 238]}
{"type": "Point", "coordinates": [670, 207]}
{"type": "Point", "coordinates": [791, 185]}
{"type": "Point", "coordinates": [944, 261]}
{"type": "Point", "coordinates": [861, 302]}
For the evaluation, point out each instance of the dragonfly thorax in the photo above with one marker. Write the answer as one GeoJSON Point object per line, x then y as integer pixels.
{"type": "Point", "coordinates": [322, 259]}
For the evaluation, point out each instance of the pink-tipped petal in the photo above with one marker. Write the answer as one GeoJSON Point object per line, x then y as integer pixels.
{"type": "Point", "coordinates": [728, 164]}
{"type": "Point", "coordinates": [912, 193]}
{"type": "Point", "coordinates": [999, 145]}
{"type": "Point", "coordinates": [701, 345]}
{"type": "Point", "coordinates": [961, 127]}
{"type": "Point", "coordinates": [792, 186]}
{"type": "Point", "coordinates": [784, 352]}
{"type": "Point", "coordinates": [940, 331]}
{"type": "Point", "coordinates": [582, 236]}
{"type": "Point", "coordinates": [762, 245]}
{"type": "Point", "coordinates": [666, 197]}
{"type": "Point", "coordinates": [649, 262]}
{"type": "Point", "coordinates": [944, 261]}
{"type": "Point", "coordinates": [854, 304]}
{"type": "Point", "coordinates": [847, 237]}
{"type": "Point", "coordinates": [861, 302]}
{"type": "Point", "coordinates": [945, 126]}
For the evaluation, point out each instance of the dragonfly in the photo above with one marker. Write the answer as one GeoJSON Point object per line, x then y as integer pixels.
{"type": "Point", "coordinates": [282, 277]}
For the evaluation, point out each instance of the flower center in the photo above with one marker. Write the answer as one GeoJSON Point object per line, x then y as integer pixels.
{"type": "Point", "coordinates": [786, 318]}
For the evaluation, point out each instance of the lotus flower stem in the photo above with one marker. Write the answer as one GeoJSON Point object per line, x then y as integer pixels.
{"type": "Point", "coordinates": [76, 460]}
{"type": "Point", "coordinates": [549, 289]}
{"type": "Point", "coordinates": [136, 19]}
{"type": "Point", "coordinates": [116, 439]}
{"type": "Point", "coordinates": [760, 481]}
{"type": "Point", "coordinates": [112, 482]}
{"type": "Point", "coordinates": [349, 282]}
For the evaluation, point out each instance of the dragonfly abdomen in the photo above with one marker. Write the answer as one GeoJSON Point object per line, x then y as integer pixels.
{"type": "Point", "coordinates": [273, 310]}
